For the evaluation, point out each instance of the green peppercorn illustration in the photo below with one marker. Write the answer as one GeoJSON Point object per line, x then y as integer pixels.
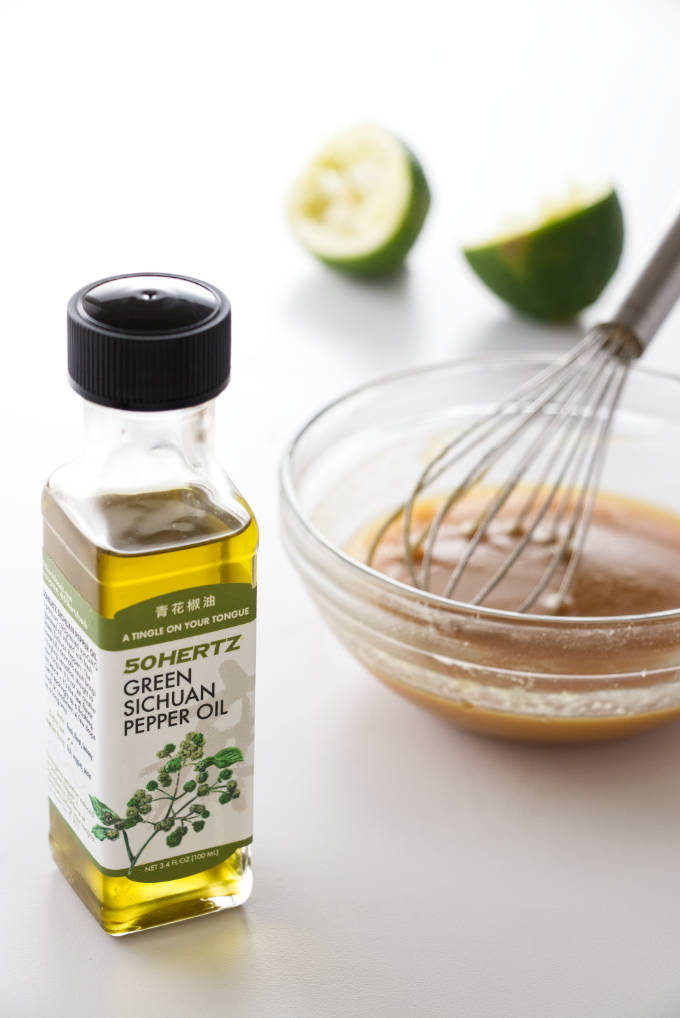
{"type": "Point", "coordinates": [175, 806]}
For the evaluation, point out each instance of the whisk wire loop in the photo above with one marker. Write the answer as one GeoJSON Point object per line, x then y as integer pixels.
{"type": "Point", "coordinates": [578, 531]}
{"type": "Point", "coordinates": [559, 421]}
{"type": "Point", "coordinates": [585, 424]}
{"type": "Point", "coordinates": [572, 397]}
{"type": "Point", "coordinates": [520, 419]}
{"type": "Point", "coordinates": [486, 423]}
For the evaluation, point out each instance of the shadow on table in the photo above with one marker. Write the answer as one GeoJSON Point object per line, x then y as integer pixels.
{"type": "Point", "coordinates": [390, 322]}
{"type": "Point", "coordinates": [628, 785]}
{"type": "Point", "coordinates": [508, 332]}
{"type": "Point", "coordinates": [377, 316]}
{"type": "Point", "coordinates": [196, 946]}
{"type": "Point", "coordinates": [624, 788]}
{"type": "Point", "coordinates": [161, 967]}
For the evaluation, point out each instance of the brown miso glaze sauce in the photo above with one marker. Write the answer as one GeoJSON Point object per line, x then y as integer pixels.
{"type": "Point", "coordinates": [630, 565]}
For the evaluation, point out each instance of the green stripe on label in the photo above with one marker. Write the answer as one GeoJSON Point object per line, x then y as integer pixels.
{"type": "Point", "coordinates": [183, 614]}
{"type": "Point", "coordinates": [177, 866]}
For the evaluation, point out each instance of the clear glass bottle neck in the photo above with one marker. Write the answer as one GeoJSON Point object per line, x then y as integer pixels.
{"type": "Point", "coordinates": [156, 449]}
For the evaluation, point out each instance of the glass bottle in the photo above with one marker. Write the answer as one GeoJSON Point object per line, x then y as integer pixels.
{"type": "Point", "coordinates": [150, 584]}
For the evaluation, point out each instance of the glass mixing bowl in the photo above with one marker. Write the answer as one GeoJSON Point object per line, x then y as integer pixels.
{"type": "Point", "coordinates": [503, 673]}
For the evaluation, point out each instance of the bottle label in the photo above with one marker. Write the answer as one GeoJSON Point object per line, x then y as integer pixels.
{"type": "Point", "coordinates": [150, 726]}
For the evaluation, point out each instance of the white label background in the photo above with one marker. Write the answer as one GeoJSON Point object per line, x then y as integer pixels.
{"type": "Point", "coordinates": [120, 764]}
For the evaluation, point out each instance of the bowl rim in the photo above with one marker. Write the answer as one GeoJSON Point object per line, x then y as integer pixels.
{"type": "Point", "coordinates": [563, 622]}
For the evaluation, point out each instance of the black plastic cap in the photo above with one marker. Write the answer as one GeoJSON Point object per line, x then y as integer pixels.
{"type": "Point", "coordinates": [149, 341]}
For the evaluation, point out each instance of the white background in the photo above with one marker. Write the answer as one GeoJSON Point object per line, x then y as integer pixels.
{"type": "Point", "coordinates": [402, 868]}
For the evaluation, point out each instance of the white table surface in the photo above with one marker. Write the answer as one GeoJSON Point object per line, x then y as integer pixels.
{"type": "Point", "coordinates": [402, 867]}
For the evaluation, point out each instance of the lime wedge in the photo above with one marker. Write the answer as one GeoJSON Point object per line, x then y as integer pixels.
{"type": "Point", "coordinates": [557, 267]}
{"type": "Point", "coordinates": [361, 202]}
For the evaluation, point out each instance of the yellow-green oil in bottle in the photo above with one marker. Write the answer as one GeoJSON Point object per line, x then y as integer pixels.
{"type": "Point", "coordinates": [109, 582]}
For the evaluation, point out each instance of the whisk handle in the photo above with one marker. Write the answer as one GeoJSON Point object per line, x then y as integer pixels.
{"type": "Point", "coordinates": [656, 289]}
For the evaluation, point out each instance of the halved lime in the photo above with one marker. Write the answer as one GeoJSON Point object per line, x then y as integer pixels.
{"type": "Point", "coordinates": [361, 202]}
{"type": "Point", "coordinates": [560, 265]}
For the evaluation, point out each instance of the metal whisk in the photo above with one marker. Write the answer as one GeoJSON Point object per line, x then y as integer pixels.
{"type": "Point", "coordinates": [559, 421]}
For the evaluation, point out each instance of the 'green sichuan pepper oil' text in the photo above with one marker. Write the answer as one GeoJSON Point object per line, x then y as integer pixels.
{"type": "Point", "coordinates": [150, 584]}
